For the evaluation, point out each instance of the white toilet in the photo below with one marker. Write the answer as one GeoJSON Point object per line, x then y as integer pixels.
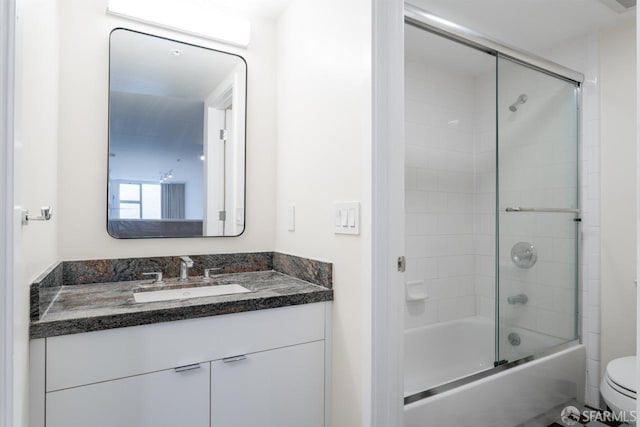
{"type": "Point", "coordinates": [618, 387]}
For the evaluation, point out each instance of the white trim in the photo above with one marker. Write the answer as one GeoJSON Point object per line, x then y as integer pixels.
{"type": "Point", "coordinates": [387, 214]}
{"type": "Point", "coordinates": [7, 64]}
{"type": "Point", "coordinates": [637, 203]}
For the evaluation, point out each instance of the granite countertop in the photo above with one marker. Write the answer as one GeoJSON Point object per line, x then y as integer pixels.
{"type": "Point", "coordinates": [98, 306]}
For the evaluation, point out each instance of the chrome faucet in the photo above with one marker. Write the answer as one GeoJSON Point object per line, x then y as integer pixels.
{"type": "Point", "coordinates": [185, 264]}
{"type": "Point", "coordinates": [518, 299]}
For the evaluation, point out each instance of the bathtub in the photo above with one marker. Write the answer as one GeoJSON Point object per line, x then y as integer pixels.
{"type": "Point", "coordinates": [453, 350]}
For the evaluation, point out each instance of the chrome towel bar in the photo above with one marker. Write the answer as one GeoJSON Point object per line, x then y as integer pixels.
{"type": "Point", "coordinates": [551, 210]}
{"type": "Point", "coordinates": [45, 215]}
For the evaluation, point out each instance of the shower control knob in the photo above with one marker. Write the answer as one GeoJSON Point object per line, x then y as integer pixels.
{"type": "Point", "coordinates": [524, 255]}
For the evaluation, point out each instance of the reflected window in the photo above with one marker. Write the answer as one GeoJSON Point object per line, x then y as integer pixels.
{"type": "Point", "coordinates": [140, 201]}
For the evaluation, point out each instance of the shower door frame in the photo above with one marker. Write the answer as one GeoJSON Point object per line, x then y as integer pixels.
{"type": "Point", "coordinates": [383, 388]}
{"type": "Point", "coordinates": [389, 18]}
{"type": "Point", "coordinates": [427, 21]}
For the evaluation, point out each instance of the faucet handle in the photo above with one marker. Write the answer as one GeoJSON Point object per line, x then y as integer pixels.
{"type": "Point", "coordinates": [207, 272]}
{"type": "Point", "coordinates": [158, 280]}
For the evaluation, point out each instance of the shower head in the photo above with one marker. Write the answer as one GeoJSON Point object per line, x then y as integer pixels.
{"type": "Point", "coordinates": [521, 100]}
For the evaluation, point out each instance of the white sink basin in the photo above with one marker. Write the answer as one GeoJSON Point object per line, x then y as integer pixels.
{"type": "Point", "coordinates": [183, 293]}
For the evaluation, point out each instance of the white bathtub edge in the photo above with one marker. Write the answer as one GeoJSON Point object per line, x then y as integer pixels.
{"type": "Point", "coordinates": [507, 398]}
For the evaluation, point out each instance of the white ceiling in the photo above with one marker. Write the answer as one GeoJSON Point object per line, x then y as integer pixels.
{"type": "Point", "coordinates": [532, 25]}
{"type": "Point", "coordinates": [271, 9]}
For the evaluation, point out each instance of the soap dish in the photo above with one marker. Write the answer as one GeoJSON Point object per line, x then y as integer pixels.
{"type": "Point", "coordinates": [416, 290]}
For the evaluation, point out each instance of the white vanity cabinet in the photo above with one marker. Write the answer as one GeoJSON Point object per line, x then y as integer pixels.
{"type": "Point", "coordinates": [275, 388]}
{"type": "Point", "coordinates": [165, 398]}
{"type": "Point", "coordinates": [260, 368]}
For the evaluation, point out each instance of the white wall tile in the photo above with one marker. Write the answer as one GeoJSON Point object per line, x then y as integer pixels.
{"type": "Point", "coordinates": [593, 346]}
{"type": "Point", "coordinates": [593, 373]}
{"type": "Point", "coordinates": [593, 320]}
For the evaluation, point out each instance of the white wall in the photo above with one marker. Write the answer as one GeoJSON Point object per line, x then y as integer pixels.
{"type": "Point", "coordinates": [82, 172]}
{"type": "Point", "coordinates": [618, 186]}
{"type": "Point", "coordinates": [37, 142]}
{"type": "Point", "coordinates": [324, 155]}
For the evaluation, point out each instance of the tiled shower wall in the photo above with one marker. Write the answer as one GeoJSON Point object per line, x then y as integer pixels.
{"type": "Point", "coordinates": [485, 193]}
{"type": "Point", "coordinates": [449, 193]}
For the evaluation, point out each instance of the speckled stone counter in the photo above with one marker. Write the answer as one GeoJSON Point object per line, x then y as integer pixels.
{"type": "Point", "coordinates": [59, 308]}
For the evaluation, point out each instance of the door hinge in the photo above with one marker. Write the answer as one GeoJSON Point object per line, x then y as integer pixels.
{"type": "Point", "coordinates": [402, 264]}
{"type": "Point", "coordinates": [222, 215]}
{"type": "Point", "coordinates": [223, 134]}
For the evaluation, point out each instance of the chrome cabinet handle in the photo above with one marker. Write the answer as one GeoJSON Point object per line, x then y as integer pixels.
{"type": "Point", "coordinates": [550, 210]}
{"type": "Point", "coordinates": [234, 358]}
{"type": "Point", "coordinates": [187, 367]}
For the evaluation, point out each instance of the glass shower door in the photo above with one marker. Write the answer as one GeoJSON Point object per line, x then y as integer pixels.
{"type": "Point", "coordinates": [538, 212]}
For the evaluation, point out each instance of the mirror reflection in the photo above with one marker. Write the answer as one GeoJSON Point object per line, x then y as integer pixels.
{"type": "Point", "coordinates": [176, 139]}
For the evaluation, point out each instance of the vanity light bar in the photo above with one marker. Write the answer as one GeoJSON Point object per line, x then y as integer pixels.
{"type": "Point", "coordinates": [187, 16]}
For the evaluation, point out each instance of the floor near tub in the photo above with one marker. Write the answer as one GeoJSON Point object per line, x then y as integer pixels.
{"type": "Point", "coordinates": [553, 418]}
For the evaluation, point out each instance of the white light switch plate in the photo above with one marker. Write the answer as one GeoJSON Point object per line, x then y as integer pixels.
{"type": "Point", "coordinates": [346, 217]}
{"type": "Point", "coordinates": [291, 218]}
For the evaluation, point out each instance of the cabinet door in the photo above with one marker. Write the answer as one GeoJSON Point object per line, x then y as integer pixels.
{"type": "Point", "coordinates": [275, 388]}
{"type": "Point", "coordinates": [171, 398]}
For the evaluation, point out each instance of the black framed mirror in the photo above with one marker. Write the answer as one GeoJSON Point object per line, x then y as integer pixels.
{"type": "Point", "coordinates": [177, 125]}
